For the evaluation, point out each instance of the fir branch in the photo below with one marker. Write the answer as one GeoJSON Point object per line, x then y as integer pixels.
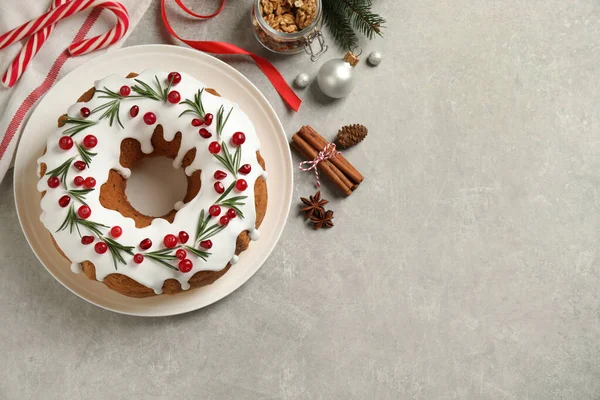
{"type": "Point", "coordinates": [116, 250]}
{"type": "Point", "coordinates": [78, 125]}
{"type": "Point", "coordinates": [344, 17]}
{"type": "Point", "coordinates": [85, 154]}
{"type": "Point", "coordinates": [162, 257]}
{"type": "Point", "coordinates": [196, 106]}
{"type": "Point", "coordinates": [79, 194]}
{"type": "Point", "coordinates": [222, 121]}
{"type": "Point", "coordinates": [198, 253]}
{"type": "Point", "coordinates": [339, 26]}
{"type": "Point", "coordinates": [62, 171]}
{"type": "Point", "coordinates": [231, 163]}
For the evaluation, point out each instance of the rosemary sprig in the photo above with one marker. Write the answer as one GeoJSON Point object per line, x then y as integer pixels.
{"type": "Point", "coordinates": [116, 249]}
{"type": "Point", "coordinates": [196, 106]}
{"type": "Point", "coordinates": [222, 121]}
{"type": "Point", "coordinates": [198, 253]}
{"type": "Point", "coordinates": [162, 257]}
{"type": "Point", "coordinates": [72, 220]}
{"type": "Point", "coordinates": [78, 125]}
{"type": "Point", "coordinates": [226, 192]}
{"type": "Point", "coordinates": [235, 203]}
{"type": "Point", "coordinates": [85, 154]}
{"type": "Point", "coordinates": [145, 90]}
{"type": "Point", "coordinates": [109, 94]}
{"type": "Point", "coordinates": [231, 163]}
{"type": "Point", "coordinates": [111, 110]}
{"type": "Point", "coordinates": [79, 194]}
{"type": "Point", "coordinates": [203, 231]}
{"type": "Point", "coordinates": [61, 171]}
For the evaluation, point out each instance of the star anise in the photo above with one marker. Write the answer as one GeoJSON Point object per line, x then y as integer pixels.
{"type": "Point", "coordinates": [314, 204]}
{"type": "Point", "coordinates": [322, 220]}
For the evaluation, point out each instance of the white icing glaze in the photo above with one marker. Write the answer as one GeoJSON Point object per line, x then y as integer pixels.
{"type": "Point", "coordinates": [150, 273]}
{"type": "Point", "coordinates": [254, 234]}
{"type": "Point", "coordinates": [234, 260]}
{"type": "Point", "coordinates": [179, 205]}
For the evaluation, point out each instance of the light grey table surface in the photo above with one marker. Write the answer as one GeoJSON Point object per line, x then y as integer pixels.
{"type": "Point", "coordinates": [465, 266]}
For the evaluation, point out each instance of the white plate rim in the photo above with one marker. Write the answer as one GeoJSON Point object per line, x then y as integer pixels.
{"type": "Point", "coordinates": [20, 166]}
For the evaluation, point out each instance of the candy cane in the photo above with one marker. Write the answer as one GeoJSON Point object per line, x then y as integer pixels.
{"type": "Point", "coordinates": [52, 17]}
{"type": "Point", "coordinates": [31, 48]}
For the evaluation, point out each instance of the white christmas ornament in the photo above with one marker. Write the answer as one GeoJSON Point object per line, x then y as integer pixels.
{"type": "Point", "coordinates": [336, 77]}
{"type": "Point", "coordinates": [374, 58]}
{"type": "Point", "coordinates": [302, 80]}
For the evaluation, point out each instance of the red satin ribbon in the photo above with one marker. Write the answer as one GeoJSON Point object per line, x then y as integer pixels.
{"type": "Point", "coordinates": [282, 87]}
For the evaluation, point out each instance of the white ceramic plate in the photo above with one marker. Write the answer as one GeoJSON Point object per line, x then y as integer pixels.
{"type": "Point", "coordinates": [232, 85]}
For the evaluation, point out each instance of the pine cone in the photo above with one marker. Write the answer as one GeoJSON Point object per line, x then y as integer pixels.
{"type": "Point", "coordinates": [350, 135]}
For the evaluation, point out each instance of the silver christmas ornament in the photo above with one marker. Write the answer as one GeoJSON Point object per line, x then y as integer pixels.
{"type": "Point", "coordinates": [302, 80]}
{"type": "Point", "coordinates": [374, 58]}
{"type": "Point", "coordinates": [336, 78]}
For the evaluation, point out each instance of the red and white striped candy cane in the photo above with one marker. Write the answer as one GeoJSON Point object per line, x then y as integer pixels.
{"type": "Point", "coordinates": [31, 48]}
{"type": "Point", "coordinates": [66, 10]}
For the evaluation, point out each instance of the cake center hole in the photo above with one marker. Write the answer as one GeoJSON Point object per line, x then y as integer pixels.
{"type": "Point", "coordinates": [155, 186]}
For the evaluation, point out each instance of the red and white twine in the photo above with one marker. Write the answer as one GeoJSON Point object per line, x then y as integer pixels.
{"type": "Point", "coordinates": [328, 152]}
{"type": "Point", "coordinates": [39, 29]}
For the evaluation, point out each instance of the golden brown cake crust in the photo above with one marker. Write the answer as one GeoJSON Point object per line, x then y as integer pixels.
{"type": "Point", "coordinates": [112, 196]}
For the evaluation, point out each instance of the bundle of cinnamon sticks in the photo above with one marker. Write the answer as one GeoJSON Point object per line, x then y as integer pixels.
{"type": "Point", "coordinates": [309, 143]}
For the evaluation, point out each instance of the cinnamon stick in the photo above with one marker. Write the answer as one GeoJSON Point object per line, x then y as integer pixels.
{"type": "Point", "coordinates": [330, 170]}
{"type": "Point", "coordinates": [319, 142]}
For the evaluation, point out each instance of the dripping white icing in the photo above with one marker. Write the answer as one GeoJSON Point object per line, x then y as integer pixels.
{"type": "Point", "coordinates": [179, 205]}
{"type": "Point", "coordinates": [254, 234]}
{"type": "Point", "coordinates": [76, 268]}
{"type": "Point", "coordinates": [234, 260]}
{"type": "Point", "coordinates": [149, 273]}
{"type": "Point", "coordinates": [264, 175]}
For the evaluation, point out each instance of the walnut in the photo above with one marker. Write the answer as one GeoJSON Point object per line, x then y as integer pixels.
{"type": "Point", "coordinates": [288, 15]}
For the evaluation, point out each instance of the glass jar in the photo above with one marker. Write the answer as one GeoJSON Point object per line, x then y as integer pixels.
{"type": "Point", "coordinates": [309, 39]}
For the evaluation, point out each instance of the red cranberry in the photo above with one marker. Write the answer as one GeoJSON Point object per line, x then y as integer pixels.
{"type": "Point", "coordinates": [138, 258]}
{"type": "Point", "coordinates": [65, 142]}
{"type": "Point", "coordinates": [224, 220]}
{"type": "Point", "coordinates": [64, 201]}
{"type": "Point", "coordinates": [197, 122]}
{"type": "Point", "coordinates": [150, 118]}
{"type": "Point", "coordinates": [125, 91]}
{"type": "Point", "coordinates": [174, 97]}
{"type": "Point", "coordinates": [100, 247]}
{"type": "Point", "coordinates": [170, 241]}
{"type": "Point", "coordinates": [185, 265]}
{"type": "Point", "coordinates": [85, 112]}
{"type": "Point", "coordinates": [214, 147]}
{"type": "Point", "coordinates": [180, 254]}
{"type": "Point", "coordinates": [116, 231]}
{"type": "Point", "coordinates": [87, 239]}
{"type": "Point", "coordinates": [183, 237]}
{"type": "Point", "coordinates": [214, 210]}
{"type": "Point", "coordinates": [205, 134]}
{"type": "Point", "coordinates": [53, 182]}
{"type": "Point", "coordinates": [238, 138]}
{"type": "Point", "coordinates": [84, 212]}
{"type": "Point", "coordinates": [241, 185]}
{"type": "Point", "coordinates": [231, 213]}
{"type": "Point", "coordinates": [206, 244]}
{"type": "Point", "coordinates": [80, 165]}
{"type": "Point", "coordinates": [174, 78]}
{"type": "Point", "coordinates": [145, 244]}
{"type": "Point", "coordinates": [208, 118]}
{"type": "Point", "coordinates": [220, 175]}
{"type": "Point", "coordinates": [245, 169]}
{"type": "Point", "coordinates": [89, 182]}
{"type": "Point", "coordinates": [78, 180]}
{"type": "Point", "coordinates": [219, 188]}
{"type": "Point", "coordinates": [90, 141]}
{"type": "Point", "coordinates": [134, 111]}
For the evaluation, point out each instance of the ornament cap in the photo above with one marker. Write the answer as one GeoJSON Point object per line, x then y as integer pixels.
{"type": "Point", "coordinates": [351, 58]}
